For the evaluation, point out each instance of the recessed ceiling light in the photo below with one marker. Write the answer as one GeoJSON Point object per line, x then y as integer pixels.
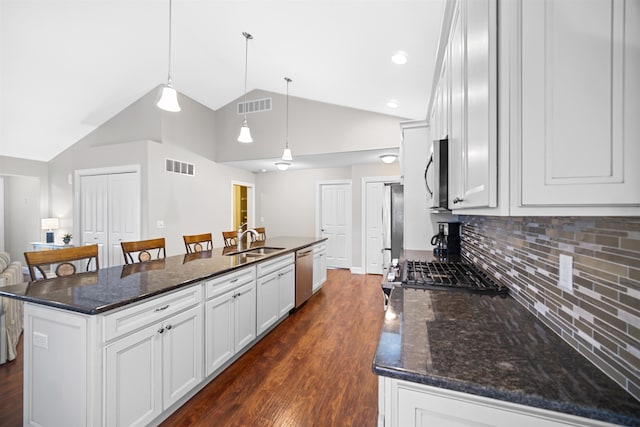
{"type": "Point", "coordinates": [399, 58]}
{"type": "Point", "coordinates": [392, 103]}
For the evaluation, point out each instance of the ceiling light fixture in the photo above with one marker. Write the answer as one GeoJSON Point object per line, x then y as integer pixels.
{"type": "Point", "coordinates": [392, 103]}
{"type": "Point", "coordinates": [388, 158]}
{"type": "Point", "coordinates": [286, 154]}
{"type": "Point", "coordinates": [169, 98]}
{"type": "Point", "coordinates": [283, 166]}
{"type": "Point", "coordinates": [245, 132]}
{"type": "Point", "coordinates": [399, 58]}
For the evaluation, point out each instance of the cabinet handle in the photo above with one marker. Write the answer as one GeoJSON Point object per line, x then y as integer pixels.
{"type": "Point", "coordinates": [458, 200]}
{"type": "Point", "coordinates": [234, 280]}
{"type": "Point", "coordinates": [168, 327]}
{"type": "Point", "coordinates": [164, 307]}
{"type": "Point", "coordinates": [161, 330]}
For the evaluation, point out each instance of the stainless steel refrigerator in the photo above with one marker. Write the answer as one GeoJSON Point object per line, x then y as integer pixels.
{"type": "Point", "coordinates": [393, 222]}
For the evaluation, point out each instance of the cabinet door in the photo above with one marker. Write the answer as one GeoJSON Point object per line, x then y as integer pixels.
{"type": "Point", "coordinates": [245, 316]}
{"type": "Point", "coordinates": [133, 380]}
{"type": "Point", "coordinates": [181, 354]}
{"type": "Point", "coordinates": [287, 290]}
{"type": "Point", "coordinates": [267, 299]}
{"type": "Point", "coordinates": [580, 103]}
{"type": "Point", "coordinates": [219, 318]}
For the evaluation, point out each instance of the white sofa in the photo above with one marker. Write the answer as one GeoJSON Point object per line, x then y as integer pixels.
{"type": "Point", "coordinates": [11, 321]}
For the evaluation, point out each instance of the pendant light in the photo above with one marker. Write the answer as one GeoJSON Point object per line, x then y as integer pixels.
{"type": "Point", "coordinates": [286, 154]}
{"type": "Point", "coordinates": [169, 98]}
{"type": "Point", "coordinates": [245, 132]}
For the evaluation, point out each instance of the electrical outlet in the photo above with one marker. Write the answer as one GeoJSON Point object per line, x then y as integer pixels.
{"type": "Point", "coordinates": [160, 224]}
{"type": "Point", "coordinates": [565, 273]}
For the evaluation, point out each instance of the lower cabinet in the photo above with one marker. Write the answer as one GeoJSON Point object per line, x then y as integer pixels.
{"type": "Point", "coordinates": [404, 404]}
{"type": "Point", "coordinates": [230, 320]}
{"type": "Point", "coordinates": [319, 265]}
{"type": "Point", "coordinates": [276, 291]}
{"type": "Point", "coordinates": [147, 371]}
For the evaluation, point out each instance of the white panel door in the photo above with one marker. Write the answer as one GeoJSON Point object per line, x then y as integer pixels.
{"type": "Point", "coordinates": [124, 213]}
{"type": "Point", "coordinates": [374, 227]}
{"type": "Point", "coordinates": [219, 318]}
{"type": "Point", "coordinates": [94, 226]}
{"type": "Point", "coordinates": [335, 208]}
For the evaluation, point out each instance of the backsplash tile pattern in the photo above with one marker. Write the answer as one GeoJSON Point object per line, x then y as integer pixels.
{"type": "Point", "coordinates": [601, 316]}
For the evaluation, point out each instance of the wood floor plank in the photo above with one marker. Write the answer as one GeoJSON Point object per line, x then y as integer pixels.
{"type": "Point", "coordinates": [314, 369]}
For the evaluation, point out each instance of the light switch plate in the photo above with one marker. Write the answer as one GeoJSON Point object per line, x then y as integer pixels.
{"type": "Point", "coordinates": [565, 273]}
{"type": "Point", "coordinates": [160, 224]}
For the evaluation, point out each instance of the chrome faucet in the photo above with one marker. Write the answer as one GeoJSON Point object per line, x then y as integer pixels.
{"type": "Point", "coordinates": [241, 235]}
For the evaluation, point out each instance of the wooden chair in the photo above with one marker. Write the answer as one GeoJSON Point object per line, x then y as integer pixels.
{"type": "Point", "coordinates": [62, 259]}
{"type": "Point", "coordinates": [230, 238]}
{"type": "Point", "coordinates": [143, 249]}
{"type": "Point", "coordinates": [198, 242]}
{"type": "Point", "coordinates": [261, 237]}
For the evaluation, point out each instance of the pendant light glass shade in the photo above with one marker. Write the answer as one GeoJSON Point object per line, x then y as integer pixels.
{"type": "Point", "coordinates": [245, 132]}
{"type": "Point", "coordinates": [169, 98]}
{"type": "Point", "coordinates": [286, 154]}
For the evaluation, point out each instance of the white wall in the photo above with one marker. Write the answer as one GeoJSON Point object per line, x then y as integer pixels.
{"type": "Point", "coordinates": [22, 215]}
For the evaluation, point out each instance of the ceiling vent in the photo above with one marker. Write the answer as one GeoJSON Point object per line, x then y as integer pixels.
{"type": "Point", "coordinates": [177, 166]}
{"type": "Point", "coordinates": [254, 106]}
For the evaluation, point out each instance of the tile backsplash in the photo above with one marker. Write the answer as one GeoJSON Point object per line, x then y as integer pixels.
{"type": "Point", "coordinates": [600, 317]}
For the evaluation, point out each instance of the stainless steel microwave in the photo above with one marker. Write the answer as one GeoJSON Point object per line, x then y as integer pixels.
{"type": "Point", "coordinates": [436, 176]}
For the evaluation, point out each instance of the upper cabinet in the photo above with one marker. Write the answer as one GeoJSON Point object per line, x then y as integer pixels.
{"type": "Point", "coordinates": [580, 86]}
{"type": "Point", "coordinates": [542, 116]}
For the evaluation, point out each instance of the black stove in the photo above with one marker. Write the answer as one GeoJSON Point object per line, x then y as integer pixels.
{"type": "Point", "coordinates": [451, 276]}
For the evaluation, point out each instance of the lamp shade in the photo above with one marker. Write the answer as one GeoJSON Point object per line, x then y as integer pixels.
{"type": "Point", "coordinates": [169, 100]}
{"type": "Point", "coordinates": [50, 223]}
{"type": "Point", "coordinates": [245, 133]}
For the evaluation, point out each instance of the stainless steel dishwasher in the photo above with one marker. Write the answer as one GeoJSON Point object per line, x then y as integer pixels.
{"type": "Point", "coordinates": [304, 275]}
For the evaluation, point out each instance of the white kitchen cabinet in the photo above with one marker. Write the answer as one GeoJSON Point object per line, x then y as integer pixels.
{"type": "Point", "coordinates": [230, 321]}
{"type": "Point", "coordinates": [319, 266]}
{"type": "Point", "coordinates": [275, 291]}
{"type": "Point", "coordinates": [404, 404]}
{"type": "Point", "coordinates": [580, 103]}
{"type": "Point", "coordinates": [473, 143]}
{"type": "Point", "coordinates": [147, 371]}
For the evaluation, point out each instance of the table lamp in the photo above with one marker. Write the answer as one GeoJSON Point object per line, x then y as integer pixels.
{"type": "Point", "coordinates": [50, 224]}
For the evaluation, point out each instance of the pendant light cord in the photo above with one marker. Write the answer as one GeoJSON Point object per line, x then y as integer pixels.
{"type": "Point", "coordinates": [170, 20]}
{"type": "Point", "coordinates": [247, 36]}
{"type": "Point", "coordinates": [287, 136]}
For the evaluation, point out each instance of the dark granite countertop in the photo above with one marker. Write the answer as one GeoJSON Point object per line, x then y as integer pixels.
{"type": "Point", "coordinates": [113, 287]}
{"type": "Point", "coordinates": [493, 347]}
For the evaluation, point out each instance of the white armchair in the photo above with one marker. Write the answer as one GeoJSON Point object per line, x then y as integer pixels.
{"type": "Point", "coordinates": [11, 319]}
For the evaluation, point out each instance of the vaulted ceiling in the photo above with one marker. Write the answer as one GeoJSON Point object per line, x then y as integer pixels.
{"type": "Point", "coordinates": [67, 66]}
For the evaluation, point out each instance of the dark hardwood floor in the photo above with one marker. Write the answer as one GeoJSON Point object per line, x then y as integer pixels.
{"type": "Point", "coordinates": [314, 369]}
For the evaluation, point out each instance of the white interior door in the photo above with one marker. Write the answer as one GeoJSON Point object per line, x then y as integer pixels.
{"type": "Point", "coordinates": [374, 226]}
{"type": "Point", "coordinates": [335, 223]}
{"type": "Point", "coordinates": [93, 214]}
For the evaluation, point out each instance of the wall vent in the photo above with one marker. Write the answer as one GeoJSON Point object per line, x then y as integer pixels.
{"type": "Point", "coordinates": [254, 106]}
{"type": "Point", "coordinates": [176, 166]}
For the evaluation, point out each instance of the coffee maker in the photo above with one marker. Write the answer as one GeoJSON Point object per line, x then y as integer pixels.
{"type": "Point", "coordinates": [447, 241]}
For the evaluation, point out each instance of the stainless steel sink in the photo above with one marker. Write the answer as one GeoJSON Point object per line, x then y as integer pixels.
{"type": "Point", "coordinates": [256, 252]}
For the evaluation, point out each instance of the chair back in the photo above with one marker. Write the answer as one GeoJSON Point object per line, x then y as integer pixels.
{"type": "Point", "coordinates": [198, 242]}
{"type": "Point", "coordinates": [230, 238]}
{"type": "Point", "coordinates": [141, 250]}
{"type": "Point", "coordinates": [61, 260]}
{"type": "Point", "coordinates": [261, 237]}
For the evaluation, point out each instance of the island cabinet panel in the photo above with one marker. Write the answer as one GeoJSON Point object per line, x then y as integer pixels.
{"type": "Point", "coordinates": [276, 291]}
{"type": "Point", "coordinates": [230, 323]}
{"type": "Point", "coordinates": [580, 91]}
{"type": "Point", "coordinates": [149, 370]}
{"type": "Point", "coordinates": [319, 266]}
{"type": "Point", "coordinates": [406, 404]}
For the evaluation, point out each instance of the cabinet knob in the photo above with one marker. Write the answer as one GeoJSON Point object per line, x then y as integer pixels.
{"type": "Point", "coordinates": [458, 200]}
{"type": "Point", "coordinates": [161, 330]}
{"type": "Point", "coordinates": [168, 327]}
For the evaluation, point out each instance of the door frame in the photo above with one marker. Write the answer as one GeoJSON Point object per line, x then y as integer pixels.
{"type": "Point", "coordinates": [318, 219]}
{"type": "Point", "coordinates": [391, 179]}
{"type": "Point", "coordinates": [78, 173]}
{"type": "Point", "coordinates": [251, 203]}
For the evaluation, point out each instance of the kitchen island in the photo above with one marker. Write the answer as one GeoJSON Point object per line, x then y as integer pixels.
{"type": "Point", "coordinates": [128, 345]}
{"type": "Point", "coordinates": [458, 358]}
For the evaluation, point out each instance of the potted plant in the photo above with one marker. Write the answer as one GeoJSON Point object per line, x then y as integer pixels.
{"type": "Point", "coordinates": [66, 238]}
